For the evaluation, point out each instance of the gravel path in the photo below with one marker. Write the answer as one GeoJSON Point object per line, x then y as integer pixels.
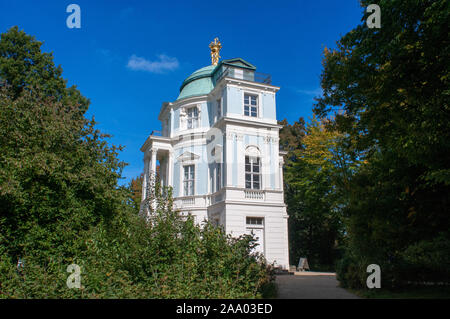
{"type": "Point", "coordinates": [311, 286]}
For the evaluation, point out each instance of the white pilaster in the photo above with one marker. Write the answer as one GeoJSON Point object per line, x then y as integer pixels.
{"type": "Point", "coordinates": [265, 161]}
{"type": "Point", "coordinates": [275, 166]}
{"type": "Point", "coordinates": [280, 175]}
{"type": "Point", "coordinates": [240, 160]}
{"type": "Point", "coordinates": [229, 159]}
{"type": "Point", "coordinates": [171, 124]}
{"type": "Point", "coordinates": [170, 169]}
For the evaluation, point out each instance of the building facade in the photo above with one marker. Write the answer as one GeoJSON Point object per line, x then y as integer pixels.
{"type": "Point", "coordinates": [219, 151]}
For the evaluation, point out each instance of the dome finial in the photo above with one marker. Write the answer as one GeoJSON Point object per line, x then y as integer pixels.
{"type": "Point", "coordinates": [215, 49]}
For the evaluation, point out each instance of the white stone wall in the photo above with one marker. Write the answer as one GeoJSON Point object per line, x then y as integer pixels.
{"type": "Point", "coordinates": [275, 228]}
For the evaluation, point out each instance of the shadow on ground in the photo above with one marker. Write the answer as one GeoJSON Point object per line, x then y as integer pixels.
{"type": "Point", "coordinates": [311, 286]}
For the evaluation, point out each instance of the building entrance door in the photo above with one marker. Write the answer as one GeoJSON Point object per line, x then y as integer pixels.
{"type": "Point", "coordinates": [259, 236]}
{"type": "Point", "coordinates": [255, 225]}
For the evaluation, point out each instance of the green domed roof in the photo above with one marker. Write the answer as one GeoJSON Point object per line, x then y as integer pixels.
{"type": "Point", "coordinates": [206, 71]}
{"type": "Point", "coordinates": [198, 83]}
{"type": "Point", "coordinates": [201, 81]}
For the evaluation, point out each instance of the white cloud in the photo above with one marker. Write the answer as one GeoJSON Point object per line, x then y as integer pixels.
{"type": "Point", "coordinates": [316, 92]}
{"type": "Point", "coordinates": [163, 63]}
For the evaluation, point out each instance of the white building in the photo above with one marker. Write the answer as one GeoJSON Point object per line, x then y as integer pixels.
{"type": "Point", "coordinates": [219, 150]}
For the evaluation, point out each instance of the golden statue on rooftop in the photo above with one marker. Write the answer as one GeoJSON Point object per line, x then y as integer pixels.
{"type": "Point", "coordinates": [215, 49]}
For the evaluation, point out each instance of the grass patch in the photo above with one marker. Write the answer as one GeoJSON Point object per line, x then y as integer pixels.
{"type": "Point", "coordinates": [414, 292]}
{"type": "Point", "coordinates": [270, 291]}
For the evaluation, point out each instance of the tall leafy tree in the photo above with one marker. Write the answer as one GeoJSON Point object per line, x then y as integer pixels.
{"type": "Point", "coordinates": [392, 85]}
{"type": "Point", "coordinates": [313, 204]}
{"type": "Point", "coordinates": [58, 175]}
{"type": "Point", "coordinates": [24, 66]}
{"type": "Point", "coordinates": [291, 137]}
{"type": "Point", "coordinates": [135, 187]}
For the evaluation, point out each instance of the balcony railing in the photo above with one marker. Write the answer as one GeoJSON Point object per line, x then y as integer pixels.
{"type": "Point", "coordinates": [188, 201]}
{"type": "Point", "coordinates": [246, 75]}
{"type": "Point", "coordinates": [254, 194]}
{"type": "Point", "coordinates": [230, 194]}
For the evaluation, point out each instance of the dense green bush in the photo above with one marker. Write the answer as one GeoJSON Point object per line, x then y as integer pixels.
{"type": "Point", "coordinates": [350, 272]}
{"type": "Point", "coordinates": [421, 263]}
{"type": "Point", "coordinates": [428, 260]}
{"type": "Point", "coordinates": [60, 204]}
{"type": "Point", "coordinates": [128, 257]}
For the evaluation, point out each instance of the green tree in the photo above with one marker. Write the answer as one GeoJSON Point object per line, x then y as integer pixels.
{"type": "Point", "coordinates": [24, 67]}
{"type": "Point", "coordinates": [135, 187]}
{"type": "Point", "coordinates": [291, 137]}
{"type": "Point", "coordinates": [313, 203]}
{"type": "Point", "coordinates": [392, 85]}
{"type": "Point", "coordinates": [58, 176]}
{"type": "Point", "coordinates": [57, 172]}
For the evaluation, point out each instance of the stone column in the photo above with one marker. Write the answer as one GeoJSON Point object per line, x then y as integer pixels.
{"type": "Point", "coordinates": [145, 178]}
{"type": "Point", "coordinates": [151, 177]}
{"type": "Point", "coordinates": [153, 161]}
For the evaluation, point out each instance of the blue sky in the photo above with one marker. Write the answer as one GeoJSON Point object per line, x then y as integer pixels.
{"type": "Point", "coordinates": [130, 56]}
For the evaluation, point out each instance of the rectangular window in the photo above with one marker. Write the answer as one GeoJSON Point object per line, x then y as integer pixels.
{"type": "Point", "coordinates": [189, 179]}
{"type": "Point", "coordinates": [252, 173]}
{"type": "Point", "coordinates": [211, 181]}
{"type": "Point", "coordinates": [192, 117]}
{"type": "Point", "coordinates": [250, 105]}
{"type": "Point", "coordinates": [165, 131]}
{"type": "Point", "coordinates": [219, 108]}
{"type": "Point", "coordinates": [255, 221]}
{"type": "Point", "coordinates": [218, 176]}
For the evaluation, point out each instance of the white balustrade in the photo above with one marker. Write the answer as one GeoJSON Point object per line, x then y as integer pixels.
{"type": "Point", "coordinates": [188, 201]}
{"type": "Point", "coordinates": [254, 194]}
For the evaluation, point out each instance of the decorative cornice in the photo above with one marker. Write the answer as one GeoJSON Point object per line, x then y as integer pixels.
{"type": "Point", "coordinates": [229, 135]}
{"type": "Point", "coordinates": [241, 82]}
{"type": "Point", "coordinates": [270, 140]}
{"type": "Point", "coordinates": [233, 120]}
{"type": "Point", "coordinates": [187, 156]}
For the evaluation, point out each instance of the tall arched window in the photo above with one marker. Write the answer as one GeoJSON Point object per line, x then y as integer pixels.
{"type": "Point", "coordinates": [252, 168]}
{"type": "Point", "coordinates": [189, 180]}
